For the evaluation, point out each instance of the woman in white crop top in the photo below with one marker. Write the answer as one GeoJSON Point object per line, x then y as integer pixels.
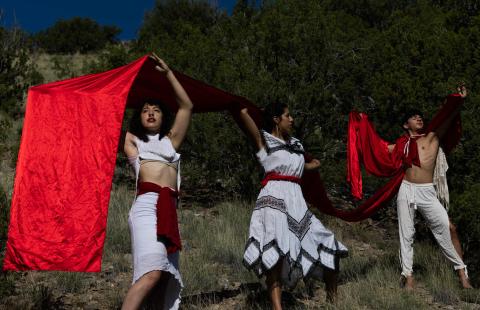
{"type": "Point", "coordinates": [151, 146]}
{"type": "Point", "coordinates": [286, 241]}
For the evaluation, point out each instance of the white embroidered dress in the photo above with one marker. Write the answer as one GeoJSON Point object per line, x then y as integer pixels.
{"type": "Point", "coordinates": [148, 253]}
{"type": "Point", "coordinates": [281, 224]}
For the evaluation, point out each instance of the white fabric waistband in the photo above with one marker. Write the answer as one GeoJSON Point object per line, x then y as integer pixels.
{"type": "Point", "coordinates": [411, 191]}
{"type": "Point", "coordinates": [417, 184]}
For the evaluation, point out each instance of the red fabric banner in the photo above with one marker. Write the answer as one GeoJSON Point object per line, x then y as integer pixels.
{"type": "Point", "coordinates": [67, 158]}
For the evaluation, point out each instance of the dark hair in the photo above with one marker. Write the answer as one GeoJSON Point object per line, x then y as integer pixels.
{"type": "Point", "coordinates": [136, 127]}
{"type": "Point", "coordinates": [409, 113]}
{"type": "Point", "coordinates": [274, 109]}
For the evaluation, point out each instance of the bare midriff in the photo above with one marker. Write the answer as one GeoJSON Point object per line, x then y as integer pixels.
{"type": "Point", "coordinates": [158, 173]}
{"type": "Point", "coordinates": [427, 151]}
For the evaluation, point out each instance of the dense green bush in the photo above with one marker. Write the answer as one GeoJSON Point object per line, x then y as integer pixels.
{"type": "Point", "coordinates": [17, 72]}
{"type": "Point", "coordinates": [323, 58]}
{"type": "Point", "coordinates": [4, 207]}
{"type": "Point", "coordinates": [77, 34]}
{"type": "Point", "coordinates": [465, 213]}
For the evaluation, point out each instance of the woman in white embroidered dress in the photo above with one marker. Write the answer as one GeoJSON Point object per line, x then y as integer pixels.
{"type": "Point", "coordinates": [286, 241]}
{"type": "Point", "coordinates": [151, 147]}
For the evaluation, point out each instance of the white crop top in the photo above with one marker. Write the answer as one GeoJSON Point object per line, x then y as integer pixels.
{"type": "Point", "coordinates": [156, 150]}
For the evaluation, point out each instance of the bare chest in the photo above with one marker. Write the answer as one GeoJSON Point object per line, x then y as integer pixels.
{"type": "Point", "coordinates": [427, 151]}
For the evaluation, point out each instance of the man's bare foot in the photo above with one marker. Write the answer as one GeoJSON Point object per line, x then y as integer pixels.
{"type": "Point", "coordinates": [408, 283]}
{"type": "Point", "coordinates": [464, 279]}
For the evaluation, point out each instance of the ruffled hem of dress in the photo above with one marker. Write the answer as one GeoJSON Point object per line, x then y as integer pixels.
{"type": "Point", "coordinates": [259, 267]}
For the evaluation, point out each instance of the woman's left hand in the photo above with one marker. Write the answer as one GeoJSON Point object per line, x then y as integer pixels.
{"type": "Point", "coordinates": [161, 65]}
{"type": "Point", "coordinates": [314, 164]}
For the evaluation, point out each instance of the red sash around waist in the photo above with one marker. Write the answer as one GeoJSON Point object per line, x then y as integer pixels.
{"type": "Point", "coordinates": [273, 176]}
{"type": "Point", "coordinates": [167, 222]}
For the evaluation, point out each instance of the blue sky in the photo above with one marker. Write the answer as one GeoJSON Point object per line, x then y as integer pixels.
{"type": "Point", "coordinates": [35, 15]}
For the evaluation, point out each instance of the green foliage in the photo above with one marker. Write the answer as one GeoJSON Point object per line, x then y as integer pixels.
{"type": "Point", "coordinates": [465, 214]}
{"type": "Point", "coordinates": [176, 19]}
{"type": "Point", "coordinates": [5, 128]}
{"type": "Point", "coordinates": [62, 67]}
{"type": "Point", "coordinates": [17, 72]}
{"type": "Point", "coordinates": [77, 34]}
{"type": "Point", "coordinates": [4, 207]}
{"type": "Point", "coordinates": [322, 58]}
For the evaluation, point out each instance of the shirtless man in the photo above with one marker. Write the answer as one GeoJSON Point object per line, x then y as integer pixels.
{"type": "Point", "coordinates": [418, 193]}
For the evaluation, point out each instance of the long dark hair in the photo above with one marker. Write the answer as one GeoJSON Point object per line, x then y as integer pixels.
{"type": "Point", "coordinates": [136, 127]}
{"type": "Point", "coordinates": [274, 109]}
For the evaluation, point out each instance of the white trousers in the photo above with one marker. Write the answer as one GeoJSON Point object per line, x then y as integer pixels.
{"type": "Point", "coordinates": [413, 196]}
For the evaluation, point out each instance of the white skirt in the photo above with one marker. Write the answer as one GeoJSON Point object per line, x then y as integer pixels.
{"type": "Point", "coordinates": [282, 227]}
{"type": "Point", "coordinates": [150, 254]}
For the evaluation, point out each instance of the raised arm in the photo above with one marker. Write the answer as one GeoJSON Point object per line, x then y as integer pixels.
{"type": "Point", "coordinates": [252, 129]}
{"type": "Point", "coordinates": [184, 114]}
{"type": "Point", "coordinates": [442, 130]}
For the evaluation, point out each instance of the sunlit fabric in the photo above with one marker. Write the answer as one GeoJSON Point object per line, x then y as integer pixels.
{"type": "Point", "coordinates": [67, 158]}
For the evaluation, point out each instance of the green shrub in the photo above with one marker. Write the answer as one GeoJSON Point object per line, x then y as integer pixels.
{"type": "Point", "coordinates": [4, 207]}
{"type": "Point", "coordinates": [465, 213]}
{"type": "Point", "coordinates": [77, 34]}
{"type": "Point", "coordinates": [17, 72]}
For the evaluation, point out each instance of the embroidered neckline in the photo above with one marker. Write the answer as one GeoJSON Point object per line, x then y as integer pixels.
{"type": "Point", "coordinates": [273, 144]}
{"type": "Point", "coordinates": [278, 139]}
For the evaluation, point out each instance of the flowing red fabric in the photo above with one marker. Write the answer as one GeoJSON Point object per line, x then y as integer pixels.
{"type": "Point", "coordinates": [167, 221]}
{"type": "Point", "coordinates": [67, 158]}
{"type": "Point", "coordinates": [365, 146]}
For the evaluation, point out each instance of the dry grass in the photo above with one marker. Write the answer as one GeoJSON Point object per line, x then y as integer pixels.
{"type": "Point", "coordinates": [214, 240]}
{"type": "Point", "coordinates": [213, 250]}
{"type": "Point", "coordinates": [59, 67]}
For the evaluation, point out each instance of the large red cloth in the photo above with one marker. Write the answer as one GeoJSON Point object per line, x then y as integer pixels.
{"type": "Point", "coordinates": [365, 146]}
{"type": "Point", "coordinates": [167, 221]}
{"type": "Point", "coordinates": [67, 158]}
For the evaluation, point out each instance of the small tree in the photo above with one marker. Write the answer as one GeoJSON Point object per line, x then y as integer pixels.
{"type": "Point", "coordinates": [17, 72]}
{"type": "Point", "coordinates": [76, 35]}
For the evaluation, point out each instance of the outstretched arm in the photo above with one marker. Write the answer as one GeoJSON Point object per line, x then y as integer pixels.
{"type": "Point", "coordinates": [184, 114]}
{"type": "Point", "coordinates": [251, 128]}
{"type": "Point", "coordinates": [442, 130]}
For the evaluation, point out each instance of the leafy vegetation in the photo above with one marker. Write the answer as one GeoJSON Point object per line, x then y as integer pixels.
{"type": "Point", "coordinates": [17, 72]}
{"type": "Point", "coordinates": [77, 34]}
